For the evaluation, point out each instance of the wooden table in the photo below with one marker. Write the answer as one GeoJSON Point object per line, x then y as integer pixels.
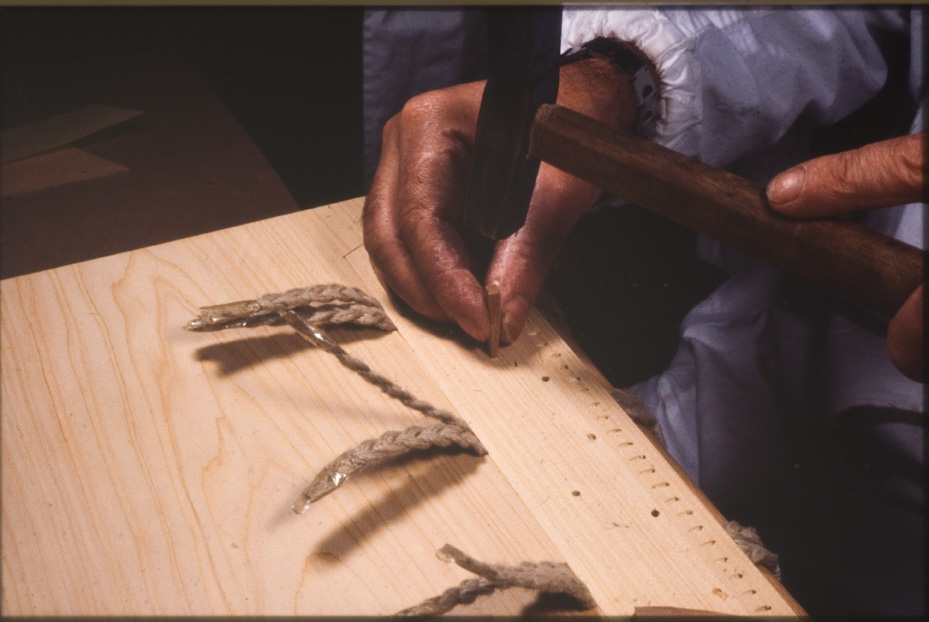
{"type": "Point", "coordinates": [183, 167]}
{"type": "Point", "coordinates": [150, 470]}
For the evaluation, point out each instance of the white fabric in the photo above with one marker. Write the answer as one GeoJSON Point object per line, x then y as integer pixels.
{"type": "Point", "coordinates": [735, 82]}
{"type": "Point", "coordinates": [765, 366]}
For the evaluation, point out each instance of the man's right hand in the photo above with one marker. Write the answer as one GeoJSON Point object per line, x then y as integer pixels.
{"type": "Point", "coordinates": [412, 215]}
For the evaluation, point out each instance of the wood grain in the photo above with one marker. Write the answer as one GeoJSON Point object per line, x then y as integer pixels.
{"type": "Point", "coordinates": [149, 471]}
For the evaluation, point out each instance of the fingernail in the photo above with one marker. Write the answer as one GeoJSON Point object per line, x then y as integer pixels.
{"type": "Point", "coordinates": [514, 317]}
{"type": "Point", "coordinates": [472, 327]}
{"type": "Point", "coordinates": [787, 186]}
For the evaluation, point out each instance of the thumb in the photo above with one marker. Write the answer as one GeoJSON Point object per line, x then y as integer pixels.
{"type": "Point", "coordinates": [881, 174]}
{"type": "Point", "coordinates": [521, 263]}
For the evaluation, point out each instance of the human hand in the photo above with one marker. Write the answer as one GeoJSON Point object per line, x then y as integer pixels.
{"type": "Point", "coordinates": [412, 215]}
{"type": "Point", "coordinates": [882, 174]}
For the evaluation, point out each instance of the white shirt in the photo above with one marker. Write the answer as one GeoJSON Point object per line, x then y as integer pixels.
{"type": "Point", "coordinates": [762, 361]}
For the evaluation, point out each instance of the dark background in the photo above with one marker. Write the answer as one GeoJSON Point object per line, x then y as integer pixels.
{"type": "Point", "coordinates": [292, 77]}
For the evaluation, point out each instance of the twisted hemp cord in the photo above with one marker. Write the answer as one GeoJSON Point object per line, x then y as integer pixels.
{"type": "Point", "coordinates": [304, 309]}
{"type": "Point", "coordinates": [385, 384]}
{"type": "Point", "coordinates": [374, 451]}
{"type": "Point", "coordinates": [638, 412]}
{"type": "Point", "coordinates": [750, 542]}
{"type": "Point", "coordinates": [322, 305]}
{"type": "Point", "coordinates": [550, 577]}
{"type": "Point", "coordinates": [332, 304]}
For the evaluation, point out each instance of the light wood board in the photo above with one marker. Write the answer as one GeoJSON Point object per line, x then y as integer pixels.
{"type": "Point", "coordinates": [149, 470]}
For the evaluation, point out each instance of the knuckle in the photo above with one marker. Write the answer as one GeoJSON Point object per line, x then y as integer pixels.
{"type": "Point", "coordinates": [847, 167]}
{"type": "Point", "coordinates": [377, 236]}
{"type": "Point", "coordinates": [377, 247]}
{"type": "Point", "coordinates": [541, 252]}
{"type": "Point", "coordinates": [390, 128]}
{"type": "Point", "coordinates": [414, 221]}
{"type": "Point", "coordinates": [418, 113]}
{"type": "Point", "coordinates": [424, 106]}
{"type": "Point", "coordinates": [909, 153]}
{"type": "Point", "coordinates": [881, 174]}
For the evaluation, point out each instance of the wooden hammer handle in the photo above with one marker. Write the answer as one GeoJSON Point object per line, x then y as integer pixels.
{"type": "Point", "coordinates": [842, 257]}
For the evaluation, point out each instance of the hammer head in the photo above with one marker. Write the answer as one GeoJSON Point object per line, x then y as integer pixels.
{"type": "Point", "coordinates": [524, 53]}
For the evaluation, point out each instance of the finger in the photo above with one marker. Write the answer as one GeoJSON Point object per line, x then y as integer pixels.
{"type": "Point", "coordinates": [878, 175]}
{"type": "Point", "coordinates": [431, 194]}
{"type": "Point", "coordinates": [905, 335]}
{"type": "Point", "coordinates": [389, 255]}
{"type": "Point", "coordinates": [431, 188]}
{"type": "Point", "coordinates": [445, 267]}
{"type": "Point", "coordinates": [522, 262]}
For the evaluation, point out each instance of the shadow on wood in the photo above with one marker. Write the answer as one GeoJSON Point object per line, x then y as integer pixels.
{"type": "Point", "coordinates": [234, 356]}
{"type": "Point", "coordinates": [428, 474]}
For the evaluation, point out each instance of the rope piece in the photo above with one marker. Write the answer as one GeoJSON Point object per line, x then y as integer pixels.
{"type": "Point", "coordinates": [638, 412]}
{"type": "Point", "coordinates": [300, 309]}
{"type": "Point", "coordinates": [452, 430]}
{"type": "Point", "coordinates": [463, 594]}
{"type": "Point", "coordinates": [385, 384]}
{"type": "Point", "coordinates": [550, 577]}
{"type": "Point", "coordinates": [374, 451]}
{"type": "Point", "coordinates": [323, 305]}
{"type": "Point", "coordinates": [750, 542]}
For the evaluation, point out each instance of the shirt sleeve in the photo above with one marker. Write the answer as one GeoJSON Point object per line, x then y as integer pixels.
{"type": "Point", "coordinates": [735, 81]}
{"type": "Point", "coordinates": [406, 52]}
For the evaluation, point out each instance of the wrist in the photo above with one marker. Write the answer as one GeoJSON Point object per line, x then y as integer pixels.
{"type": "Point", "coordinates": [600, 90]}
{"type": "Point", "coordinates": [636, 82]}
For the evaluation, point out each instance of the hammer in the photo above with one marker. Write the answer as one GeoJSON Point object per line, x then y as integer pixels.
{"type": "Point", "coordinates": [518, 126]}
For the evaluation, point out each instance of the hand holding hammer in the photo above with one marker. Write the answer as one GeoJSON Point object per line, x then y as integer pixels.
{"type": "Point", "coordinates": [418, 245]}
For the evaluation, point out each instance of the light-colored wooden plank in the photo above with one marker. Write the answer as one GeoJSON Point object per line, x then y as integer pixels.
{"type": "Point", "coordinates": [148, 470]}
